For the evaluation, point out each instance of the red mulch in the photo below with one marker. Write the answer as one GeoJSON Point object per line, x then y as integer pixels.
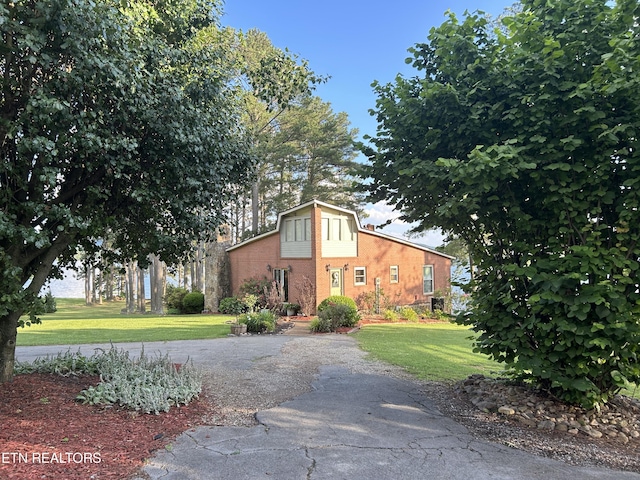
{"type": "Point", "coordinates": [46, 434]}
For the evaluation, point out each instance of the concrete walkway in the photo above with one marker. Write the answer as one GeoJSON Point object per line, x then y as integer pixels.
{"type": "Point", "coordinates": [349, 426]}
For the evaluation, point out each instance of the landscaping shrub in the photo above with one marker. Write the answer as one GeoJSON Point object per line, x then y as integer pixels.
{"type": "Point", "coordinates": [146, 384]}
{"type": "Point", "coordinates": [337, 299]}
{"type": "Point", "coordinates": [250, 300]}
{"type": "Point", "coordinates": [390, 314]}
{"type": "Point", "coordinates": [339, 315]}
{"type": "Point", "coordinates": [49, 303]}
{"type": "Point", "coordinates": [193, 302]}
{"type": "Point", "coordinates": [409, 314]}
{"type": "Point", "coordinates": [306, 295]}
{"type": "Point", "coordinates": [260, 322]}
{"type": "Point", "coordinates": [320, 325]}
{"type": "Point", "coordinates": [440, 315]}
{"type": "Point", "coordinates": [232, 306]}
{"type": "Point", "coordinates": [256, 286]}
{"type": "Point", "coordinates": [64, 364]}
{"type": "Point", "coordinates": [174, 297]}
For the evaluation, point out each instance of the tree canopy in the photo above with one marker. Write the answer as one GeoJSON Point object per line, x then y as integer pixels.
{"type": "Point", "coordinates": [115, 121]}
{"type": "Point", "coordinates": [521, 138]}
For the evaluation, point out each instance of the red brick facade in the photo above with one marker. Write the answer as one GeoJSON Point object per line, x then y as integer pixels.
{"type": "Point", "coordinates": [376, 254]}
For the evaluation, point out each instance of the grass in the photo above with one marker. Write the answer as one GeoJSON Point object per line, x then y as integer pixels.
{"type": "Point", "coordinates": [76, 323]}
{"type": "Point", "coordinates": [431, 351]}
{"type": "Point", "coordinates": [439, 352]}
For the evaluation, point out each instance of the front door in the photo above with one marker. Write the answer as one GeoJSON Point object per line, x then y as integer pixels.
{"type": "Point", "coordinates": [336, 281]}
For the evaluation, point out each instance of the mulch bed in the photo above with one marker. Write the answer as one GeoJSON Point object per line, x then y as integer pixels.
{"type": "Point", "coordinates": [46, 434]}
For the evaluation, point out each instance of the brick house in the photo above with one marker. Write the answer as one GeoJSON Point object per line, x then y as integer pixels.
{"type": "Point", "coordinates": [328, 245]}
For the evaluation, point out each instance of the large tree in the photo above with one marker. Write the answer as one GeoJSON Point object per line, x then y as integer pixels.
{"type": "Point", "coordinates": [307, 153]}
{"type": "Point", "coordinates": [522, 139]}
{"type": "Point", "coordinates": [115, 122]}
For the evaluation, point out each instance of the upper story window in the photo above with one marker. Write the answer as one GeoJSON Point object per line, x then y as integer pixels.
{"type": "Point", "coordinates": [297, 230]}
{"type": "Point", "coordinates": [339, 229]}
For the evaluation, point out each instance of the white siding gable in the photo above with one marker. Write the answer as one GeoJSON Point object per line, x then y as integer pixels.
{"type": "Point", "coordinates": [295, 235]}
{"type": "Point", "coordinates": [339, 234]}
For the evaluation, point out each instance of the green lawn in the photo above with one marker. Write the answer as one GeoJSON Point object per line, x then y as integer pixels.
{"type": "Point", "coordinates": [439, 352]}
{"type": "Point", "coordinates": [76, 323]}
{"type": "Point", "coordinates": [430, 351]}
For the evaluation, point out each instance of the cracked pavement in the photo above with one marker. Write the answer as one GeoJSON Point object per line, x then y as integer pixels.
{"type": "Point", "coordinates": [353, 421]}
{"type": "Point", "coordinates": [354, 426]}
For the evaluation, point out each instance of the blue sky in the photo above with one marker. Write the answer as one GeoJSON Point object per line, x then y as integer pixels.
{"type": "Point", "coordinates": [354, 42]}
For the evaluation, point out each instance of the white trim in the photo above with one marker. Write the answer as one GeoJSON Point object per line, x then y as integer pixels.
{"type": "Point", "coordinates": [359, 228]}
{"type": "Point", "coordinates": [433, 279]}
{"type": "Point", "coordinates": [355, 275]}
{"type": "Point", "coordinates": [397, 280]}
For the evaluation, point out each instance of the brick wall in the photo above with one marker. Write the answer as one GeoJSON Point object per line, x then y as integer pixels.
{"type": "Point", "coordinates": [375, 253]}
{"type": "Point", "coordinates": [251, 260]}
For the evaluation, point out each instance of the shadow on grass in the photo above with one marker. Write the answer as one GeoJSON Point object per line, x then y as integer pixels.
{"type": "Point", "coordinates": [438, 352]}
{"type": "Point", "coordinates": [105, 335]}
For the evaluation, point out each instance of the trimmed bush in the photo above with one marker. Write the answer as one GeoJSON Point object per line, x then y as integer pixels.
{"type": "Point", "coordinates": [193, 302]}
{"type": "Point", "coordinates": [261, 322]}
{"type": "Point", "coordinates": [231, 306]}
{"type": "Point", "coordinates": [339, 315]}
{"type": "Point", "coordinates": [338, 300]}
{"type": "Point", "coordinates": [173, 298]}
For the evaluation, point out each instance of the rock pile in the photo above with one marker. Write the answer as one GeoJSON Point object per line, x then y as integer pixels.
{"type": "Point", "coordinates": [619, 420]}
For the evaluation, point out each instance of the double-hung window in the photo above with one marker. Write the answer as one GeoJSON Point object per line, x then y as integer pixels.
{"type": "Point", "coordinates": [427, 279]}
{"type": "Point", "coordinates": [393, 274]}
{"type": "Point", "coordinates": [360, 276]}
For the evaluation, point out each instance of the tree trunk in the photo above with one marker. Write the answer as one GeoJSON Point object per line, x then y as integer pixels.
{"type": "Point", "coordinates": [8, 335]}
{"type": "Point", "coordinates": [108, 284]}
{"type": "Point", "coordinates": [157, 280]}
{"type": "Point", "coordinates": [9, 322]}
{"type": "Point", "coordinates": [255, 202]}
{"type": "Point", "coordinates": [131, 287]}
{"type": "Point", "coordinates": [198, 281]}
{"type": "Point", "coordinates": [97, 287]}
{"type": "Point", "coordinates": [142, 300]}
{"type": "Point", "coordinates": [88, 284]}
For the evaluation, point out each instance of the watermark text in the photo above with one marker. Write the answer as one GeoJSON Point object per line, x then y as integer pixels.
{"type": "Point", "coordinates": [50, 457]}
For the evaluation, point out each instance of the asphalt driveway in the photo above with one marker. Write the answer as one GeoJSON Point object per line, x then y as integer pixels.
{"type": "Point", "coordinates": [348, 425]}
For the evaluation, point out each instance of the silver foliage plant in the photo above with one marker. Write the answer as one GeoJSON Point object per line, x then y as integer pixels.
{"type": "Point", "coordinates": [146, 384]}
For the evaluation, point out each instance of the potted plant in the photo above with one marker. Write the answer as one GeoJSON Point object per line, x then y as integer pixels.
{"type": "Point", "coordinates": [238, 328]}
{"type": "Point", "coordinates": [291, 309]}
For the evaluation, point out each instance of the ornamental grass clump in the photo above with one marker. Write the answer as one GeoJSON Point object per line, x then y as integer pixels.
{"type": "Point", "coordinates": [145, 384]}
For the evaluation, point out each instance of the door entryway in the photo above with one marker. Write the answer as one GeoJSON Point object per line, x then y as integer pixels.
{"type": "Point", "coordinates": [335, 278]}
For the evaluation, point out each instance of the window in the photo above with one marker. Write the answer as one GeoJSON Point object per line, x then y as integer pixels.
{"type": "Point", "coordinates": [288, 230]}
{"type": "Point", "coordinates": [307, 229]}
{"type": "Point", "coordinates": [427, 279]}
{"type": "Point", "coordinates": [298, 223]}
{"type": "Point", "coordinates": [351, 229]}
{"type": "Point", "coordinates": [336, 233]}
{"type": "Point", "coordinates": [360, 275]}
{"type": "Point", "coordinates": [297, 230]}
{"type": "Point", "coordinates": [325, 229]}
{"type": "Point", "coordinates": [393, 274]}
